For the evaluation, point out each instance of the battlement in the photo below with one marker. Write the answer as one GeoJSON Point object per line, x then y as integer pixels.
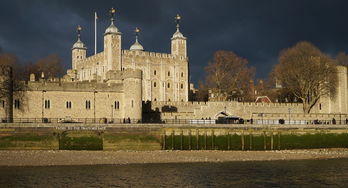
{"type": "Point", "coordinates": [152, 54]}
{"type": "Point", "coordinates": [74, 86]}
{"type": "Point", "coordinates": [93, 58]}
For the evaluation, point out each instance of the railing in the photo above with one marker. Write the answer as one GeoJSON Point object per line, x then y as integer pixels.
{"type": "Point", "coordinates": [176, 121]}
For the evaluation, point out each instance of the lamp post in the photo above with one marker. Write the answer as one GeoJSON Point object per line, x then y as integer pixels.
{"type": "Point", "coordinates": [112, 113]}
{"type": "Point", "coordinates": [94, 105]}
{"type": "Point", "coordinates": [289, 109]}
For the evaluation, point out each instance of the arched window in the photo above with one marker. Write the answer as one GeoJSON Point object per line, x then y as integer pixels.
{"type": "Point", "coordinates": [181, 86]}
{"type": "Point", "coordinates": [168, 85]}
{"type": "Point", "coordinates": [154, 84]}
{"type": "Point", "coordinates": [154, 72]}
{"type": "Point", "coordinates": [182, 74]}
{"type": "Point", "coordinates": [168, 73]}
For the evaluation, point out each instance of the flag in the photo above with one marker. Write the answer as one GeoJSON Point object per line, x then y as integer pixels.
{"type": "Point", "coordinates": [96, 16]}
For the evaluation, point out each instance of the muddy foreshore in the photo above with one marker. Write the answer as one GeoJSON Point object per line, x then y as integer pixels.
{"type": "Point", "coordinates": [61, 157]}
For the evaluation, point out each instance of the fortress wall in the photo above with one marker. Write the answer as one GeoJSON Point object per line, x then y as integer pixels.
{"type": "Point", "coordinates": [198, 110]}
{"type": "Point", "coordinates": [159, 70]}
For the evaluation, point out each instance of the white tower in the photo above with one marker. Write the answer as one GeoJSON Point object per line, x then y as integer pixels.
{"type": "Point", "coordinates": [178, 40]}
{"type": "Point", "coordinates": [78, 50]}
{"type": "Point", "coordinates": [112, 45]}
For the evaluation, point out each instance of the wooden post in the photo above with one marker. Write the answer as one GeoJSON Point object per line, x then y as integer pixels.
{"type": "Point", "coordinates": [278, 140]}
{"type": "Point", "coordinates": [181, 140]}
{"type": "Point", "coordinates": [173, 140]}
{"type": "Point", "coordinates": [190, 147]}
{"type": "Point", "coordinates": [212, 140]}
{"type": "Point", "coordinates": [205, 140]}
{"type": "Point", "coordinates": [228, 141]}
{"type": "Point", "coordinates": [264, 141]}
{"type": "Point", "coordinates": [272, 140]}
{"type": "Point", "coordinates": [164, 140]}
{"type": "Point", "coordinates": [251, 140]}
{"type": "Point", "coordinates": [242, 140]}
{"type": "Point", "coordinates": [197, 139]}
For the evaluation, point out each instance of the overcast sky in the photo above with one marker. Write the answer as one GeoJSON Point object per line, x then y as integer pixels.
{"type": "Point", "coordinates": [254, 29]}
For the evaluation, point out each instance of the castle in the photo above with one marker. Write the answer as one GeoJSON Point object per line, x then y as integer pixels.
{"type": "Point", "coordinates": [116, 83]}
{"type": "Point", "coordinates": [165, 76]}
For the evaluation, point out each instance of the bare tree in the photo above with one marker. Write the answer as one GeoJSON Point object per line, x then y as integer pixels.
{"type": "Point", "coordinates": [51, 66]}
{"type": "Point", "coordinates": [10, 85]}
{"type": "Point", "coordinates": [307, 73]}
{"type": "Point", "coordinates": [228, 75]}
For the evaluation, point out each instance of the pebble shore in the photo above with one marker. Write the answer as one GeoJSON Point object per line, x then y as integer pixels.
{"type": "Point", "coordinates": [59, 157]}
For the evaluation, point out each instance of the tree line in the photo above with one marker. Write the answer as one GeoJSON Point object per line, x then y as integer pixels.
{"type": "Point", "coordinates": [303, 74]}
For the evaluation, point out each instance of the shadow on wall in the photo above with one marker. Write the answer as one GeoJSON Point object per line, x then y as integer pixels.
{"type": "Point", "coordinates": [167, 108]}
{"type": "Point", "coordinates": [149, 115]}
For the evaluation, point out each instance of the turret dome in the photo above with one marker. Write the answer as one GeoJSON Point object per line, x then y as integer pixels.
{"type": "Point", "coordinates": [112, 29]}
{"type": "Point", "coordinates": [136, 46]}
{"type": "Point", "coordinates": [79, 45]}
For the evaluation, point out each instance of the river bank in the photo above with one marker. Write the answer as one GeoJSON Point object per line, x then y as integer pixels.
{"type": "Point", "coordinates": [63, 157]}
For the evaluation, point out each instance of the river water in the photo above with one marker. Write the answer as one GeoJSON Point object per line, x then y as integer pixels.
{"type": "Point", "coordinates": [302, 173]}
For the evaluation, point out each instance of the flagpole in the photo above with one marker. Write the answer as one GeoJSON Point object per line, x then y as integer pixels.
{"type": "Point", "coordinates": [95, 33]}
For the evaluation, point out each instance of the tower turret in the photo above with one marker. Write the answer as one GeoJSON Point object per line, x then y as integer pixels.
{"type": "Point", "coordinates": [112, 45]}
{"type": "Point", "coordinates": [79, 49]}
{"type": "Point", "coordinates": [178, 40]}
{"type": "Point", "coordinates": [136, 46]}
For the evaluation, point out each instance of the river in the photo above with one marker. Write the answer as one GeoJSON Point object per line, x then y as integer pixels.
{"type": "Point", "coordinates": [300, 173]}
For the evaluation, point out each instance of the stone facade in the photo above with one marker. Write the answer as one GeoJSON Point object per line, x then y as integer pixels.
{"type": "Point", "coordinates": [118, 98]}
{"type": "Point", "coordinates": [165, 76]}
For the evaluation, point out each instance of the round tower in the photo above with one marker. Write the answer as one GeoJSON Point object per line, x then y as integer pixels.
{"type": "Point", "coordinates": [132, 85]}
{"type": "Point", "coordinates": [78, 50]}
{"type": "Point", "coordinates": [178, 40]}
{"type": "Point", "coordinates": [112, 45]}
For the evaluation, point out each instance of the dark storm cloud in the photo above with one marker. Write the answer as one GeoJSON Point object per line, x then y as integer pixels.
{"type": "Point", "coordinates": [256, 30]}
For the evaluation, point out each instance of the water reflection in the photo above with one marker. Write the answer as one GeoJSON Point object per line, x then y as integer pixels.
{"type": "Point", "coordinates": [304, 173]}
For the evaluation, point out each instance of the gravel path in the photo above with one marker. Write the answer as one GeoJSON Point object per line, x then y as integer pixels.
{"type": "Point", "coordinates": [58, 157]}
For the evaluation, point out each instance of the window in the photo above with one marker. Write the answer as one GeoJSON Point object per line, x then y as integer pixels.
{"type": "Point", "coordinates": [68, 104]}
{"type": "Point", "coordinates": [132, 103]}
{"type": "Point", "coordinates": [88, 104]}
{"type": "Point", "coordinates": [155, 99]}
{"type": "Point", "coordinates": [181, 86]}
{"type": "Point", "coordinates": [154, 84]}
{"type": "Point", "coordinates": [117, 105]}
{"type": "Point", "coordinates": [320, 106]}
{"type": "Point", "coordinates": [47, 104]}
{"type": "Point", "coordinates": [168, 73]}
{"type": "Point", "coordinates": [154, 72]}
{"type": "Point", "coordinates": [16, 104]}
{"type": "Point", "coordinates": [182, 74]}
{"type": "Point", "coordinates": [168, 85]}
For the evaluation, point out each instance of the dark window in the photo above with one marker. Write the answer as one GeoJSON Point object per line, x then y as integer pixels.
{"type": "Point", "coordinates": [68, 104]}
{"type": "Point", "coordinates": [168, 73]}
{"type": "Point", "coordinates": [181, 86]}
{"type": "Point", "coordinates": [117, 105]}
{"type": "Point", "coordinates": [132, 103]}
{"type": "Point", "coordinates": [17, 103]}
{"type": "Point", "coordinates": [154, 72]}
{"type": "Point", "coordinates": [155, 99]}
{"type": "Point", "coordinates": [320, 106]}
{"type": "Point", "coordinates": [168, 85]}
{"type": "Point", "coordinates": [47, 104]}
{"type": "Point", "coordinates": [154, 84]}
{"type": "Point", "coordinates": [182, 74]}
{"type": "Point", "coordinates": [88, 104]}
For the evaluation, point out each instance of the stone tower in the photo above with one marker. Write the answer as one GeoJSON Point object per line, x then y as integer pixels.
{"type": "Point", "coordinates": [132, 93]}
{"type": "Point", "coordinates": [78, 50]}
{"type": "Point", "coordinates": [112, 45]}
{"type": "Point", "coordinates": [178, 40]}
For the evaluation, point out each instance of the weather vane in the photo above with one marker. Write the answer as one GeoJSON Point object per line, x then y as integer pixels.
{"type": "Point", "coordinates": [78, 30]}
{"type": "Point", "coordinates": [177, 20]}
{"type": "Point", "coordinates": [112, 13]}
{"type": "Point", "coordinates": [137, 31]}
